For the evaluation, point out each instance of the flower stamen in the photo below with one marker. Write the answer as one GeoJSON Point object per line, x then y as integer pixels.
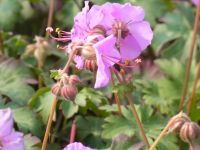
{"type": "Point", "coordinates": [63, 36]}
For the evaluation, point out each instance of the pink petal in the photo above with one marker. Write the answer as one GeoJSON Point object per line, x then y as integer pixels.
{"type": "Point", "coordinates": [103, 75]}
{"type": "Point", "coordinates": [76, 146]}
{"type": "Point", "coordinates": [96, 19]}
{"type": "Point", "coordinates": [14, 141]}
{"type": "Point", "coordinates": [106, 50]}
{"type": "Point", "coordinates": [79, 62]}
{"type": "Point", "coordinates": [6, 122]}
{"type": "Point", "coordinates": [107, 55]}
{"type": "Point", "coordinates": [130, 48]}
{"type": "Point", "coordinates": [126, 12]}
{"type": "Point", "coordinates": [142, 33]}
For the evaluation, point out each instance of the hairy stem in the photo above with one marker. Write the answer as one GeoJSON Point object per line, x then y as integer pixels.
{"type": "Point", "coordinates": [117, 101]}
{"type": "Point", "coordinates": [193, 90]}
{"type": "Point", "coordinates": [187, 73]}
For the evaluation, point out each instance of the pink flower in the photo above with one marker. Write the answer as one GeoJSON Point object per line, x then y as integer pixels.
{"type": "Point", "coordinates": [86, 20]}
{"type": "Point", "coordinates": [130, 31]}
{"type": "Point", "coordinates": [195, 2]}
{"type": "Point", "coordinates": [76, 146]}
{"type": "Point", "coordinates": [9, 139]}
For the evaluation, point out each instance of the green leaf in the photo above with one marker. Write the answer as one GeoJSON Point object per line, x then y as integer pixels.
{"type": "Point", "coordinates": [31, 142]}
{"type": "Point", "coordinates": [195, 108]}
{"type": "Point", "coordinates": [90, 100]}
{"type": "Point", "coordinates": [69, 109]}
{"type": "Point", "coordinates": [14, 45]}
{"type": "Point", "coordinates": [54, 74]}
{"type": "Point", "coordinates": [81, 99]}
{"type": "Point", "coordinates": [173, 37]}
{"type": "Point", "coordinates": [42, 101]}
{"type": "Point", "coordinates": [151, 13]}
{"type": "Point", "coordinates": [13, 78]}
{"type": "Point", "coordinates": [165, 92]}
{"type": "Point", "coordinates": [117, 125]}
{"type": "Point", "coordinates": [28, 121]}
{"type": "Point", "coordinates": [90, 131]}
{"type": "Point", "coordinates": [11, 10]}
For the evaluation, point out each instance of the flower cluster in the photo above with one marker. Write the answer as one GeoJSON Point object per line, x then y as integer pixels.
{"type": "Point", "coordinates": [66, 88]}
{"type": "Point", "coordinates": [181, 124]}
{"type": "Point", "coordinates": [9, 139]}
{"type": "Point", "coordinates": [105, 36]}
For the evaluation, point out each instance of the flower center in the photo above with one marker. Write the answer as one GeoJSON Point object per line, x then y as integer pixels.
{"type": "Point", "coordinates": [120, 29]}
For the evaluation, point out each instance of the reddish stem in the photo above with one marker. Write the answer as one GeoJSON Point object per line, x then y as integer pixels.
{"type": "Point", "coordinates": [73, 132]}
{"type": "Point", "coordinates": [51, 10]}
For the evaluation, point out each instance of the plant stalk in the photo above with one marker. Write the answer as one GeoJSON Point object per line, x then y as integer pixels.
{"type": "Point", "coordinates": [187, 73]}
{"type": "Point", "coordinates": [53, 108]}
{"type": "Point", "coordinates": [193, 89]}
{"type": "Point", "coordinates": [117, 101]}
{"type": "Point", "coordinates": [51, 11]}
{"type": "Point", "coordinates": [134, 112]}
{"type": "Point", "coordinates": [133, 109]}
{"type": "Point", "coordinates": [73, 132]}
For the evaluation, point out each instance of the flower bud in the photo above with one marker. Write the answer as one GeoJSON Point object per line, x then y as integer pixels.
{"type": "Point", "coordinates": [177, 123]}
{"type": "Point", "coordinates": [74, 79]}
{"type": "Point", "coordinates": [189, 132]}
{"type": "Point", "coordinates": [56, 89]}
{"type": "Point", "coordinates": [69, 92]}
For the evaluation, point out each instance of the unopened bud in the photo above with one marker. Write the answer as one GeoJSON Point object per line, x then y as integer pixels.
{"type": "Point", "coordinates": [74, 79]}
{"type": "Point", "coordinates": [69, 92]}
{"type": "Point", "coordinates": [189, 132]}
{"type": "Point", "coordinates": [177, 123]}
{"type": "Point", "coordinates": [56, 89]}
